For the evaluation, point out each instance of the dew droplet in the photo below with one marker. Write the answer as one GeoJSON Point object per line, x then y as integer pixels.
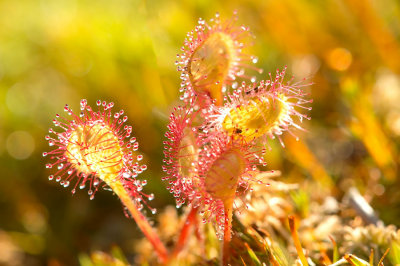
{"type": "Point", "coordinates": [83, 104]}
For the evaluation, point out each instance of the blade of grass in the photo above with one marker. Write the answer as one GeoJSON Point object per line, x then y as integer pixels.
{"type": "Point", "coordinates": [253, 255]}
{"type": "Point", "coordinates": [383, 257]}
{"type": "Point", "coordinates": [354, 261]}
{"type": "Point", "coordinates": [295, 236]}
{"type": "Point", "coordinates": [371, 257]}
{"type": "Point", "coordinates": [335, 249]}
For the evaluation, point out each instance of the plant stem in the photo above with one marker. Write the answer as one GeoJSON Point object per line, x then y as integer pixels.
{"type": "Point", "coordinates": [140, 220]}
{"type": "Point", "coordinates": [227, 234]}
{"type": "Point", "coordinates": [185, 232]}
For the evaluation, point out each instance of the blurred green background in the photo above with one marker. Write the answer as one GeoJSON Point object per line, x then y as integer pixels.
{"type": "Point", "coordinates": [54, 52]}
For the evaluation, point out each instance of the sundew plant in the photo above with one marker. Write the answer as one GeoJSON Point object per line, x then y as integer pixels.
{"type": "Point", "coordinates": [218, 136]}
{"type": "Point", "coordinates": [215, 140]}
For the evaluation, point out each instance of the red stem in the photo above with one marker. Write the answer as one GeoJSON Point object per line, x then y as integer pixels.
{"type": "Point", "coordinates": [141, 221]}
{"type": "Point", "coordinates": [227, 236]}
{"type": "Point", "coordinates": [185, 232]}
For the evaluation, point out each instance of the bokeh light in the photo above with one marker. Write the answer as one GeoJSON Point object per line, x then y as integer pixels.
{"type": "Point", "coordinates": [339, 59]}
{"type": "Point", "coordinates": [20, 144]}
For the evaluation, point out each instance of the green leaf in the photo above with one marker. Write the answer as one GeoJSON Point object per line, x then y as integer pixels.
{"type": "Point", "coordinates": [117, 253]}
{"type": "Point", "coordinates": [84, 260]}
{"type": "Point", "coordinates": [394, 254]}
